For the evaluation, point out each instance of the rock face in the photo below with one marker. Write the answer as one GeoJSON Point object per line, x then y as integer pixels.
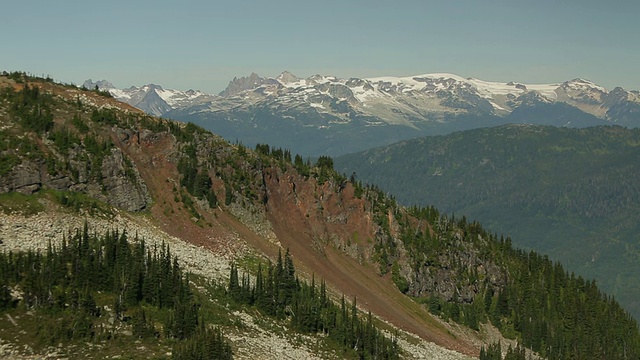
{"type": "Point", "coordinates": [24, 178]}
{"type": "Point", "coordinates": [101, 84]}
{"type": "Point", "coordinates": [440, 280]}
{"type": "Point", "coordinates": [238, 85]}
{"type": "Point", "coordinates": [119, 183]}
{"type": "Point", "coordinates": [333, 216]}
{"type": "Point", "coordinates": [122, 182]}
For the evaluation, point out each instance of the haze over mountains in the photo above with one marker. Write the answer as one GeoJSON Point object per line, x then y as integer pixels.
{"type": "Point", "coordinates": [327, 115]}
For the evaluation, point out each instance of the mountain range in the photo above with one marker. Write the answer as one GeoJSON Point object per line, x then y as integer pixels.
{"type": "Point", "coordinates": [151, 98]}
{"type": "Point", "coordinates": [147, 234]}
{"type": "Point", "coordinates": [328, 115]}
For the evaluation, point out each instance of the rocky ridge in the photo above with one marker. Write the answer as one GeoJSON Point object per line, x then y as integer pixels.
{"type": "Point", "coordinates": [151, 98]}
{"type": "Point", "coordinates": [404, 101]}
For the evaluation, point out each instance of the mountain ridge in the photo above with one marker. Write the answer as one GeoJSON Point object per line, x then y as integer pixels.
{"type": "Point", "coordinates": [348, 115]}
{"type": "Point", "coordinates": [431, 83]}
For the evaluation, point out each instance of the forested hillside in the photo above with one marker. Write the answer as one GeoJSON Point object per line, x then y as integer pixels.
{"type": "Point", "coordinates": [102, 290]}
{"type": "Point", "coordinates": [399, 263]}
{"type": "Point", "coordinates": [569, 193]}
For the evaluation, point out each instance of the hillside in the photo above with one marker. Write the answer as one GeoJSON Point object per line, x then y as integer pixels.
{"type": "Point", "coordinates": [444, 280]}
{"type": "Point", "coordinates": [569, 193]}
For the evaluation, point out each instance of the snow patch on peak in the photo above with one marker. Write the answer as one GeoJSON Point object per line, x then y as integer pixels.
{"type": "Point", "coordinates": [489, 89]}
{"type": "Point", "coordinates": [445, 81]}
{"type": "Point", "coordinates": [320, 79]}
{"type": "Point", "coordinates": [152, 87]}
{"type": "Point", "coordinates": [581, 84]}
{"type": "Point", "coordinates": [442, 76]}
{"type": "Point", "coordinates": [286, 77]}
{"type": "Point", "coordinates": [121, 95]}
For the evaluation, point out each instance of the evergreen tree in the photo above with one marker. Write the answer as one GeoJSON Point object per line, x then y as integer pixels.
{"type": "Point", "coordinates": [309, 310]}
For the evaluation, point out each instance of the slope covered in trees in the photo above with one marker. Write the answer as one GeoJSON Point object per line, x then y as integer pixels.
{"type": "Point", "coordinates": [569, 193]}
{"type": "Point", "coordinates": [555, 313]}
{"type": "Point", "coordinates": [279, 292]}
{"type": "Point", "coordinates": [139, 288]}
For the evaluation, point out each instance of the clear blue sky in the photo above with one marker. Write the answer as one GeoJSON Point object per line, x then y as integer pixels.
{"type": "Point", "coordinates": [204, 44]}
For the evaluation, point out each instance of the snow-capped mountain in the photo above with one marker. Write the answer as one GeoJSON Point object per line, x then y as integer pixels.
{"type": "Point", "coordinates": [151, 98]}
{"type": "Point", "coordinates": [401, 99]}
{"type": "Point", "coordinates": [326, 114]}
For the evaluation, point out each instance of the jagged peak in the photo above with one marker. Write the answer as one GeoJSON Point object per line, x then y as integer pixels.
{"type": "Point", "coordinates": [101, 84]}
{"type": "Point", "coordinates": [238, 85]}
{"type": "Point", "coordinates": [580, 83]}
{"type": "Point", "coordinates": [286, 77]}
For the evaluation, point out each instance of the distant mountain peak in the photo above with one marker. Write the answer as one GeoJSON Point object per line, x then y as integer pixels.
{"type": "Point", "coordinates": [286, 77]}
{"type": "Point", "coordinates": [238, 85]}
{"type": "Point", "coordinates": [532, 98]}
{"type": "Point", "coordinates": [415, 103]}
{"type": "Point", "coordinates": [153, 87]}
{"type": "Point", "coordinates": [101, 84]}
{"type": "Point", "coordinates": [152, 98]}
{"type": "Point", "coordinates": [581, 84]}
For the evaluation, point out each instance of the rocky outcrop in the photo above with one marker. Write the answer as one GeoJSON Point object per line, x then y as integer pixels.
{"type": "Point", "coordinates": [238, 85]}
{"type": "Point", "coordinates": [25, 178]}
{"type": "Point", "coordinates": [122, 182]}
{"type": "Point", "coordinates": [118, 183]}
{"type": "Point", "coordinates": [442, 281]}
{"type": "Point", "coordinates": [101, 84]}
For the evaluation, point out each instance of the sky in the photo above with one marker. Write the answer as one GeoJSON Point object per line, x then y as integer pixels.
{"type": "Point", "coordinates": [204, 44]}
